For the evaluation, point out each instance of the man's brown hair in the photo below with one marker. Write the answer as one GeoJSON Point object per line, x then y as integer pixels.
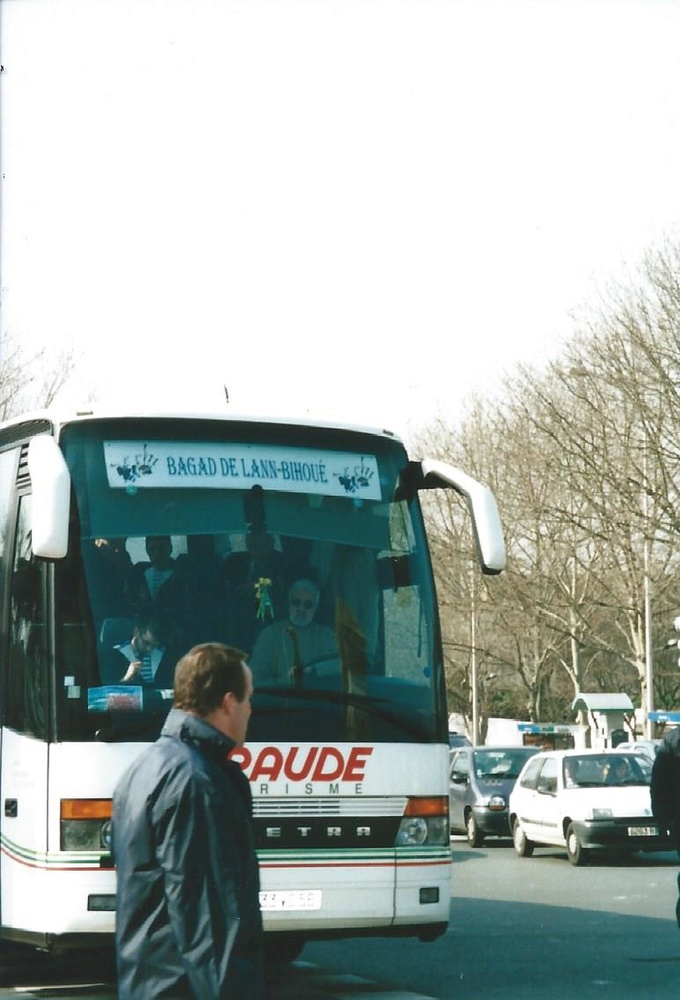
{"type": "Point", "coordinates": [205, 674]}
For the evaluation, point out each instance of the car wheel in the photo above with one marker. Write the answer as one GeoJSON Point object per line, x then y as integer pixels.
{"type": "Point", "coordinates": [577, 854]}
{"type": "Point", "coordinates": [523, 846]}
{"type": "Point", "coordinates": [475, 837]}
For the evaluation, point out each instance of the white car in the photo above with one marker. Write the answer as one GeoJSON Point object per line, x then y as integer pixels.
{"type": "Point", "coordinates": [585, 800]}
{"type": "Point", "coordinates": [649, 747]}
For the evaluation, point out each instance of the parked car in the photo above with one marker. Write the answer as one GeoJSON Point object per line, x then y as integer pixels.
{"type": "Point", "coordinates": [458, 740]}
{"type": "Point", "coordinates": [585, 800]}
{"type": "Point", "coordinates": [480, 781]}
{"type": "Point", "coordinates": [650, 747]}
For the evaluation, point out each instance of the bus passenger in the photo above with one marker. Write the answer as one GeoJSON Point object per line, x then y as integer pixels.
{"type": "Point", "coordinates": [284, 650]}
{"type": "Point", "coordinates": [249, 576]}
{"type": "Point", "coordinates": [143, 659]}
{"type": "Point", "coordinates": [201, 611]}
{"type": "Point", "coordinates": [109, 573]}
{"type": "Point", "coordinates": [152, 581]}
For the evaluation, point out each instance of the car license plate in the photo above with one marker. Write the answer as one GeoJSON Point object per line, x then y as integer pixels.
{"type": "Point", "coordinates": [643, 831]}
{"type": "Point", "coordinates": [295, 899]}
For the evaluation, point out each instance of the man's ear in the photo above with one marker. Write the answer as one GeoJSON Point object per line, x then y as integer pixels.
{"type": "Point", "coordinates": [227, 703]}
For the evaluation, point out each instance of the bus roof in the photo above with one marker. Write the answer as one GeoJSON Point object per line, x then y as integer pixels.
{"type": "Point", "coordinates": [58, 419]}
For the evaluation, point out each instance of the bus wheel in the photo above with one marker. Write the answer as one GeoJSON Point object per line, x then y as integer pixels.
{"type": "Point", "coordinates": [282, 949]}
{"type": "Point", "coordinates": [432, 932]}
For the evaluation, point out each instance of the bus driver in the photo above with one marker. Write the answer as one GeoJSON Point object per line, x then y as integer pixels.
{"type": "Point", "coordinates": [283, 650]}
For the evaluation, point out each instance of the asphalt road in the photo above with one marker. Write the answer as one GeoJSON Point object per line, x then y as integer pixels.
{"type": "Point", "coordinates": [521, 929]}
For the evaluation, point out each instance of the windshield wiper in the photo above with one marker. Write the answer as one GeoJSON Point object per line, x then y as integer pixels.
{"type": "Point", "coordinates": [147, 731]}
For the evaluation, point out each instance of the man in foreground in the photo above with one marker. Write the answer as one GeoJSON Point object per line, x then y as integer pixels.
{"type": "Point", "coordinates": [665, 792]}
{"type": "Point", "coordinates": [188, 920]}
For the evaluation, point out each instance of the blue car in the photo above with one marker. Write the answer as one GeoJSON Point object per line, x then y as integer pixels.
{"type": "Point", "coordinates": [480, 782]}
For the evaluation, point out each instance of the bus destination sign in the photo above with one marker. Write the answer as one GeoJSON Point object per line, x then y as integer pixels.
{"type": "Point", "coordinates": [164, 465]}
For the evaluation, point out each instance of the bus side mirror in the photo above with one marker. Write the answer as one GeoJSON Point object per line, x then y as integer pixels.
{"type": "Point", "coordinates": [486, 522]}
{"type": "Point", "coordinates": [51, 488]}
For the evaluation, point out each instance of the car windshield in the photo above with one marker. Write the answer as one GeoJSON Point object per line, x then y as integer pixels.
{"type": "Point", "coordinates": [594, 770]}
{"type": "Point", "coordinates": [497, 764]}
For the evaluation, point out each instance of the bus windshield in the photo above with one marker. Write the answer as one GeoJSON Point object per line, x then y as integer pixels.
{"type": "Point", "coordinates": [293, 544]}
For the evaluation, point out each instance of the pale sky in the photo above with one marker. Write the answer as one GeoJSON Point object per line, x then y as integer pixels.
{"type": "Point", "coordinates": [352, 210]}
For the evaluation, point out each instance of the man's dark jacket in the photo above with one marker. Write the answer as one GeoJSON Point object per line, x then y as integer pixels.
{"type": "Point", "coordinates": [665, 784]}
{"type": "Point", "coordinates": [188, 920]}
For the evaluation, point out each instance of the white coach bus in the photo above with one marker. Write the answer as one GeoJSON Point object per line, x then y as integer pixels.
{"type": "Point", "coordinates": [347, 753]}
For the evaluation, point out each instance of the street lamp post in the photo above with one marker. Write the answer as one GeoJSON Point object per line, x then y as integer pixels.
{"type": "Point", "coordinates": [473, 661]}
{"type": "Point", "coordinates": [649, 664]}
{"type": "Point", "coordinates": [647, 601]}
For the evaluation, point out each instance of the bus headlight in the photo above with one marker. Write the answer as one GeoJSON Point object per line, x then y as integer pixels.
{"type": "Point", "coordinates": [106, 832]}
{"type": "Point", "coordinates": [425, 821]}
{"type": "Point", "coordinates": [85, 825]}
{"type": "Point", "coordinates": [411, 832]}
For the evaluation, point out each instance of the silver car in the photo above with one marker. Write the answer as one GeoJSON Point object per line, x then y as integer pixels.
{"type": "Point", "coordinates": [480, 782]}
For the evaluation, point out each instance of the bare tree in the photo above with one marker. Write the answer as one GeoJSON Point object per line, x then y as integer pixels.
{"type": "Point", "coordinates": [583, 457]}
{"type": "Point", "coordinates": [31, 381]}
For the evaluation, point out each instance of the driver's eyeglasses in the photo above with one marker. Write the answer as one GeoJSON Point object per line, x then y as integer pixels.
{"type": "Point", "coordinates": [297, 602]}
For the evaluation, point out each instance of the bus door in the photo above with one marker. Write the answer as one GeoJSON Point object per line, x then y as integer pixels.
{"type": "Point", "coordinates": [23, 795]}
{"type": "Point", "coordinates": [8, 467]}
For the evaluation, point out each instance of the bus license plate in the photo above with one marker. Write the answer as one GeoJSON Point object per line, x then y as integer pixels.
{"type": "Point", "coordinates": [297, 899]}
{"type": "Point", "coordinates": [642, 831]}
